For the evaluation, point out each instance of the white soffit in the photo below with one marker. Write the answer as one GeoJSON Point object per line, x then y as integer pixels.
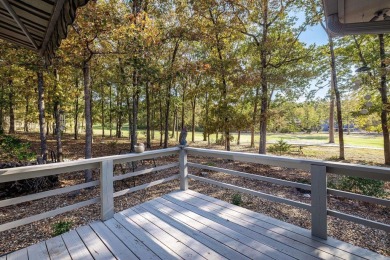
{"type": "Point", "coordinates": [346, 17]}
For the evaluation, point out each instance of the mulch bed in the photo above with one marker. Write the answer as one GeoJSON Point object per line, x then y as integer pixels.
{"type": "Point", "coordinates": [17, 238]}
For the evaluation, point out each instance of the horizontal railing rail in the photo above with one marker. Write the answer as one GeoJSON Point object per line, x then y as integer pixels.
{"type": "Point", "coordinates": [356, 170]}
{"type": "Point", "coordinates": [106, 182]}
{"type": "Point", "coordinates": [27, 172]}
{"type": "Point", "coordinates": [318, 187]}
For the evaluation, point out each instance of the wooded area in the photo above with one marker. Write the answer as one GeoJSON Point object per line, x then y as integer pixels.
{"type": "Point", "coordinates": [212, 66]}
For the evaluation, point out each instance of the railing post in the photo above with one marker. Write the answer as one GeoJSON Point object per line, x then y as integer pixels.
{"type": "Point", "coordinates": [319, 224]}
{"type": "Point", "coordinates": [183, 168]}
{"type": "Point", "coordinates": [106, 189]}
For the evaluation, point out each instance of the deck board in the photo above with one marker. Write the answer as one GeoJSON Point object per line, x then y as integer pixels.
{"type": "Point", "coordinates": [20, 254]}
{"type": "Point", "coordinates": [95, 246]}
{"type": "Point", "coordinates": [213, 233]}
{"type": "Point", "coordinates": [38, 252]}
{"type": "Point", "coordinates": [131, 241]}
{"type": "Point", "coordinates": [113, 243]}
{"type": "Point", "coordinates": [331, 245]}
{"type": "Point", "coordinates": [167, 239]}
{"type": "Point", "coordinates": [211, 243]}
{"type": "Point", "coordinates": [57, 249]}
{"type": "Point", "coordinates": [151, 242]}
{"type": "Point", "coordinates": [75, 246]}
{"type": "Point", "coordinates": [266, 235]}
{"type": "Point", "coordinates": [196, 246]}
{"type": "Point", "coordinates": [190, 225]}
{"type": "Point", "coordinates": [236, 225]}
{"type": "Point", "coordinates": [251, 248]}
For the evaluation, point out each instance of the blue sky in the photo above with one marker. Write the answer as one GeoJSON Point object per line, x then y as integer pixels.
{"type": "Point", "coordinates": [314, 34]}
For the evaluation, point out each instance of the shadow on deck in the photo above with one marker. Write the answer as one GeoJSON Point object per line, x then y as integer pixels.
{"type": "Point", "coordinates": [190, 225]}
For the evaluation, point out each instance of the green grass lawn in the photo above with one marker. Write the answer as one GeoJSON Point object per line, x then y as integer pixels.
{"type": "Point", "coordinates": [354, 139]}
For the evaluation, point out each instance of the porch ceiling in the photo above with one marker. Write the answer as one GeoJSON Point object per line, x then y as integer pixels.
{"type": "Point", "coordinates": [38, 25]}
{"type": "Point", "coordinates": [345, 17]}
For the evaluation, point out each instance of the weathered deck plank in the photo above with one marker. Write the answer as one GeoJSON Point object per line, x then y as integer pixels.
{"type": "Point", "coordinates": [331, 245]}
{"type": "Point", "coordinates": [203, 250]}
{"type": "Point", "coordinates": [233, 225]}
{"type": "Point", "coordinates": [75, 246]}
{"type": "Point", "coordinates": [151, 242]}
{"type": "Point", "coordinates": [38, 252]}
{"type": "Point", "coordinates": [131, 241]}
{"type": "Point", "coordinates": [271, 238]}
{"type": "Point", "coordinates": [95, 246]}
{"type": "Point", "coordinates": [20, 254]}
{"type": "Point", "coordinates": [228, 231]}
{"type": "Point", "coordinates": [240, 247]}
{"type": "Point", "coordinates": [203, 238]}
{"type": "Point", "coordinates": [117, 248]}
{"type": "Point", "coordinates": [190, 225]}
{"type": "Point", "coordinates": [57, 249]}
{"type": "Point", "coordinates": [171, 242]}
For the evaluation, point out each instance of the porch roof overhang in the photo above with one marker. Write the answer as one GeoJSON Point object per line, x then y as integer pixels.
{"type": "Point", "coordinates": [346, 17]}
{"type": "Point", "coordinates": [39, 25]}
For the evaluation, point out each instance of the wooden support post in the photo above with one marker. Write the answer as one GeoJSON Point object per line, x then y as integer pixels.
{"type": "Point", "coordinates": [183, 169]}
{"type": "Point", "coordinates": [106, 189]}
{"type": "Point", "coordinates": [319, 224]}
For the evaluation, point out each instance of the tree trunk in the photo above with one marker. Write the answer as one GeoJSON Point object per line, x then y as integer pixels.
{"type": "Point", "coordinates": [148, 144]}
{"type": "Point", "coordinates": [161, 123]}
{"type": "Point", "coordinates": [174, 122]}
{"type": "Point", "coordinates": [206, 133]}
{"type": "Point", "coordinates": [57, 119]}
{"type": "Point", "coordinates": [41, 109]}
{"type": "Point", "coordinates": [168, 94]}
{"type": "Point", "coordinates": [331, 118]}
{"type": "Point", "coordinates": [47, 126]}
{"type": "Point", "coordinates": [11, 109]}
{"type": "Point", "coordinates": [153, 125]}
{"type": "Point", "coordinates": [1, 109]}
{"type": "Point", "coordinates": [383, 91]}
{"type": "Point", "coordinates": [88, 121]}
{"type": "Point", "coordinates": [193, 105]}
{"type": "Point", "coordinates": [102, 109]}
{"type": "Point", "coordinates": [134, 130]}
{"type": "Point", "coordinates": [264, 83]}
{"type": "Point", "coordinates": [26, 112]}
{"type": "Point", "coordinates": [119, 113]}
{"type": "Point", "coordinates": [110, 112]}
{"type": "Point", "coordinates": [182, 106]}
{"type": "Point", "coordinates": [338, 99]}
{"type": "Point", "coordinates": [166, 127]}
{"type": "Point", "coordinates": [238, 137]}
{"type": "Point", "coordinates": [129, 118]}
{"type": "Point", "coordinates": [254, 115]}
{"type": "Point", "coordinates": [76, 111]}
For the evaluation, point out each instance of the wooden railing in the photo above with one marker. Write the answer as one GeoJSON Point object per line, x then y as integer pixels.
{"type": "Point", "coordinates": [318, 169]}
{"type": "Point", "coordinates": [106, 182]}
{"type": "Point", "coordinates": [319, 191]}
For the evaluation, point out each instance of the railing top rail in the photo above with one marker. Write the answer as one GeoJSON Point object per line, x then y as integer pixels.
{"type": "Point", "coordinates": [372, 172]}
{"type": "Point", "coordinates": [26, 172]}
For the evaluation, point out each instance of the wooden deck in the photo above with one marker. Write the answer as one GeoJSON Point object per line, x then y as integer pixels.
{"type": "Point", "coordinates": [189, 225]}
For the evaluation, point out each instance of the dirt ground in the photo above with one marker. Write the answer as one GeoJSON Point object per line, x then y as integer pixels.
{"type": "Point", "coordinates": [11, 240]}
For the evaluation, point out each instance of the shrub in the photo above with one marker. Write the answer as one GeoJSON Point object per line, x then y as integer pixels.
{"type": "Point", "coordinates": [61, 227]}
{"type": "Point", "coordinates": [236, 199]}
{"type": "Point", "coordinates": [280, 147]}
{"type": "Point", "coordinates": [15, 148]}
{"type": "Point", "coordinates": [363, 186]}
